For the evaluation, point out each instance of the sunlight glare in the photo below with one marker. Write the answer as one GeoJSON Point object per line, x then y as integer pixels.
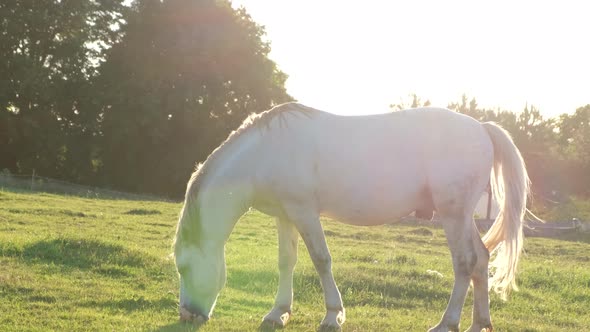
{"type": "Point", "coordinates": [356, 59]}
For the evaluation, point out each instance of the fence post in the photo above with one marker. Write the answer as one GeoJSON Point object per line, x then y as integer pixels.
{"type": "Point", "coordinates": [33, 180]}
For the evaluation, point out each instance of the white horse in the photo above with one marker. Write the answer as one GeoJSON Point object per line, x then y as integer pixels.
{"type": "Point", "coordinates": [296, 163]}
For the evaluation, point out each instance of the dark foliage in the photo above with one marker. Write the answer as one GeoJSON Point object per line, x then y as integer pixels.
{"type": "Point", "coordinates": [129, 98]}
{"type": "Point", "coordinates": [186, 73]}
{"type": "Point", "coordinates": [50, 50]}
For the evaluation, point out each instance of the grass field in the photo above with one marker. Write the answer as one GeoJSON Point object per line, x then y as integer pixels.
{"type": "Point", "coordinates": [76, 264]}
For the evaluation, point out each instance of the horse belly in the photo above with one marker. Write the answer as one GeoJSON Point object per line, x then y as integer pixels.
{"type": "Point", "coordinates": [370, 196]}
{"type": "Point", "coordinates": [363, 214]}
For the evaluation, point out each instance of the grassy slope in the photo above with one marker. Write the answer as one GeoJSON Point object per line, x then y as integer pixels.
{"type": "Point", "coordinates": [70, 263]}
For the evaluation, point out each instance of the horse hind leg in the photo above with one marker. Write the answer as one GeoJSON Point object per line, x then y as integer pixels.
{"type": "Point", "coordinates": [464, 257]}
{"type": "Point", "coordinates": [288, 239]}
{"type": "Point", "coordinates": [470, 257]}
{"type": "Point", "coordinates": [479, 277]}
{"type": "Point", "coordinates": [470, 263]}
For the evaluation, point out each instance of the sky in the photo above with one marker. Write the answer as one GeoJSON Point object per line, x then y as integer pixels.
{"type": "Point", "coordinates": [359, 57]}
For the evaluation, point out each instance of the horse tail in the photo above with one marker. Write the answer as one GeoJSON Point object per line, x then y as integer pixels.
{"type": "Point", "coordinates": [510, 186]}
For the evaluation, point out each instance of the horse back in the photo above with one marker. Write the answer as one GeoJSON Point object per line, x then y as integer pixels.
{"type": "Point", "coordinates": [373, 168]}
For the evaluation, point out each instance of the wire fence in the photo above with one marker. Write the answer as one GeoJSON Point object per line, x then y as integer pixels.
{"type": "Point", "coordinates": [33, 182]}
{"type": "Point", "coordinates": [535, 228]}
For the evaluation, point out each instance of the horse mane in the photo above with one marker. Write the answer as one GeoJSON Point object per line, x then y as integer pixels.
{"type": "Point", "coordinates": [280, 112]}
{"type": "Point", "coordinates": [189, 224]}
{"type": "Point", "coordinates": [258, 121]}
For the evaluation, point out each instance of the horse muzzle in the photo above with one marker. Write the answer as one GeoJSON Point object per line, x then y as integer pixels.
{"type": "Point", "coordinates": [192, 315]}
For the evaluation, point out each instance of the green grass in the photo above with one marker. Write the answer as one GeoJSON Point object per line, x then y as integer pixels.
{"type": "Point", "coordinates": [573, 207]}
{"type": "Point", "coordinates": [69, 263]}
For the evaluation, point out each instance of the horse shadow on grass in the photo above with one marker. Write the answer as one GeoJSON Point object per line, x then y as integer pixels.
{"type": "Point", "coordinates": [179, 327]}
{"type": "Point", "coordinates": [191, 327]}
{"type": "Point", "coordinates": [164, 304]}
{"type": "Point", "coordinates": [134, 304]}
{"type": "Point", "coordinates": [415, 292]}
{"type": "Point", "coordinates": [80, 253]}
{"type": "Point", "coordinates": [416, 289]}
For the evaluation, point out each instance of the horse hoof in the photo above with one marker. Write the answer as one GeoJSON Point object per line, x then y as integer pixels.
{"type": "Point", "coordinates": [485, 328]}
{"type": "Point", "coordinates": [189, 317]}
{"type": "Point", "coordinates": [269, 326]}
{"type": "Point", "coordinates": [275, 319]}
{"type": "Point", "coordinates": [333, 321]}
{"type": "Point", "coordinates": [273, 324]}
{"type": "Point", "coordinates": [199, 320]}
{"type": "Point", "coordinates": [442, 328]}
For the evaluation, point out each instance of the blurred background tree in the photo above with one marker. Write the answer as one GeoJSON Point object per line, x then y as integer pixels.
{"type": "Point", "coordinates": [414, 102]}
{"type": "Point", "coordinates": [573, 133]}
{"type": "Point", "coordinates": [553, 168]}
{"type": "Point", "coordinates": [185, 74]}
{"type": "Point", "coordinates": [127, 97]}
{"type": "Point", "coordinates": [556, 151]}
{"type": "Point", "coordinates": [50, 50]}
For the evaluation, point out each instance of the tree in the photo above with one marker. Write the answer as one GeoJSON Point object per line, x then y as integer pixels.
{"type": "Point", "coordinates": [574, 144]}
{"type": "Point", "coordinates": [416, 102]}
{"type": "Point", "coordinates": [186, 73]}
{"type": "Point", "coordinates": [574, 135]}
{"type": "Point", "coordinates": [535, 138]}
{"type": "Point", "coordinates": [471, 108]}
{"type": "Point", "coordinates": [49, 50]}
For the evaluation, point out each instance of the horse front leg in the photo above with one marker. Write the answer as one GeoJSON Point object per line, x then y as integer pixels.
{"type": "Point", "coordinates": [322, 260]}
{"type": "Point", "coordinates": [288, 239]}
{"type": "Point", "coordinates": [311, 231]}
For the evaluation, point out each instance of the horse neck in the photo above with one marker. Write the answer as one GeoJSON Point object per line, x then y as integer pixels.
{"type": "Point", "coordinates": [227, 191]}
{"type": "Point", "coordinates": [221, 207]}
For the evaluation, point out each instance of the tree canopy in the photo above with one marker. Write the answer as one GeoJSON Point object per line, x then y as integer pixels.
{"type": "Point", "coordinates": [186, 73]}
{"type": "Point", "coordinates": [128, 97]}
{"type": "Point", "coordinates": [49, 50]}
{"type": "Point", "coordinates": [548, 146]}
